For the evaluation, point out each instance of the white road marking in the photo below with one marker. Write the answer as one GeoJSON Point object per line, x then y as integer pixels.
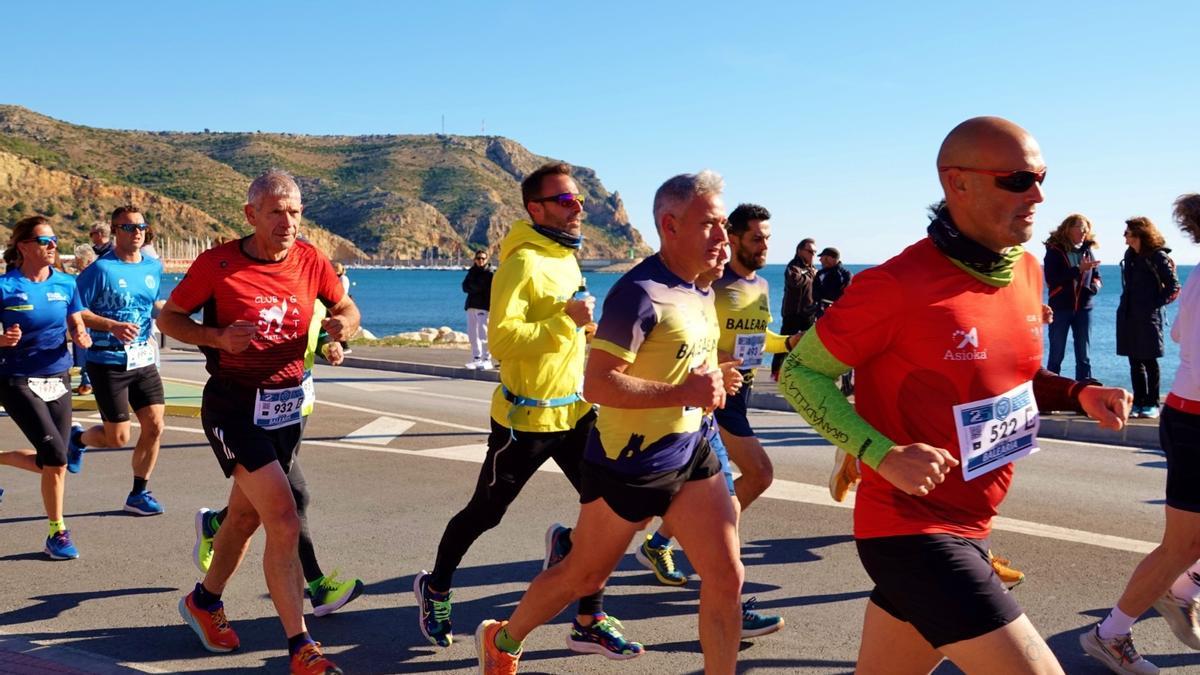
{"type": "Point", "coordinates": [379, 431]}
{"type": "Point", "coordinates": [785, 490]}
{"type": "Point", "coordinates": [415, 391]}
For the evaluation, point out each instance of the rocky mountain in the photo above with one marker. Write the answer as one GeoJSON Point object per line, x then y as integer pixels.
{"type": "Point", "coordinates": [381, 197]}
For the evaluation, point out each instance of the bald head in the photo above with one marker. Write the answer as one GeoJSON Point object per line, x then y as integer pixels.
{"type": "Point", "coordinates": [983, 207]}
{"type": "Point", "coordinates": [977, 142]}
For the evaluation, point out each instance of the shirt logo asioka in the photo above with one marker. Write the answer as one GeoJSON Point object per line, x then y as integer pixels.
{"type": "Point", "coordinates": [55, 296]}
{"type": "Point", "coordinates": [966, 346]}
{"type": "Point", "coordinates": [151, 282]}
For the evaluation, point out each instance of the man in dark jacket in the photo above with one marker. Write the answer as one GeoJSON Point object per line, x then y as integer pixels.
{"type": "Point", "coordinates": [798, 309]}
{"type": "Point", "coordinates": [478, 287]}
{"type": "Point", "coordinates": [831, 281]}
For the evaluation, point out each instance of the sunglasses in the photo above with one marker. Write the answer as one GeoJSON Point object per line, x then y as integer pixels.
{"type": "Point", "coordinates": [564, 200]}
{"type": "Point", "coordinates": [1011, 181]}
{"type": "Point", "coordinates": [134, 227]}
{"type": "Point", "coordinates": [45, 241]}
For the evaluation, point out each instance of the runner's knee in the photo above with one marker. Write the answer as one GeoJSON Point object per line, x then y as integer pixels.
{"type": "Point", "coordinates": [116, 436]}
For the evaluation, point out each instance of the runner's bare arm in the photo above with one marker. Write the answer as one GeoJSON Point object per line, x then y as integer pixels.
{"type": "Point", "coordinates": [176, 322]}
{"type": "Point", "coordinates": [78, 331]}
{"type": "Point", "coordinates": [343, 320]}
{"type": "Point", "coordinates": [122, 330]}
{"type": "Point", "coordinates": [605, 383]}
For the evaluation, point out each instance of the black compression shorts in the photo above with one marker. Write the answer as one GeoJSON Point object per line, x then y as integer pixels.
{"type": "Point", "coordinates": [118, 390]}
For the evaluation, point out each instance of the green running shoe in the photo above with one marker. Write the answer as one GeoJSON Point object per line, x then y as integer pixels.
{"type": "Point", "coordinates": [328, 594]}
{"type": "Point", "coordinates": [755, 624]}
{"type": "Point", "coordinates": [603, 637]}
{"type": "Point", "coordinates": [661, 561]}
{"type": "Point", "coordinates": [206, 529]}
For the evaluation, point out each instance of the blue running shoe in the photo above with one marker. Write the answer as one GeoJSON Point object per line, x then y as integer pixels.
{"type": "Point", "coordinates": [434, 610]}
{"type": "Point", "coordinates": [755, 624]}
{"type": "Point", "coordinates": [661, 561]}
{"type": "Point", "coordinates": [603, 637]}
{"type": "Point", "coordinates": [1151, 412]}
{"type": "Point", "coordinates": [60, 547]}
{"type": "Point", "coordinates": [75, 448]}
{"type": "Point", "coordinates": [558, 544]}
{"type": "Point", "coordinates": [143, 504]}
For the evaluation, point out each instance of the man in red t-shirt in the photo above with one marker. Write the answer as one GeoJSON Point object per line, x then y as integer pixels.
{"type": "Point", "coordinates": [258, 295]}
{"type": "Point", "coordinates": [946, 343]}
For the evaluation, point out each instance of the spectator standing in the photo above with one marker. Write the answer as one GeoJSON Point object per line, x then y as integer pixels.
{"type": "Point", "coordinates": [1072, 280]}
{"type": "Point", "coordinates": [478, 287]}
{"type": "Point", "coordinates": [1148, 283]}
{"type": "Point", "coordinates": [831, 280]}
{"type": "Point", "coordinates": [101, 236]}
{"type": "Point", "coordinates": [798, 308]}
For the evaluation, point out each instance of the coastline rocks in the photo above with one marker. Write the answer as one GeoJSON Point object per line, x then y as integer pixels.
{"type": "Point", "coordinates": [439, 336]}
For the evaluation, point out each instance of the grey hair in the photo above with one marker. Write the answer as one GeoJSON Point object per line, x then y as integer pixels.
{"type": "Point", "coordinates": [673, 196]}
{"type": "Point", "coordinates": [85, 252]}
{"type": "Point", "coordinates": [274, 183]}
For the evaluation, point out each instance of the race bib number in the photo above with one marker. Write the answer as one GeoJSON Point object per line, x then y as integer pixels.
{"type": "Point", "coordinates": [277, 408]}
{"type": "Point", "coordinates": [749, 348]}
{"type": "Point", "coordinates": [47, 388]}
{"type": "Point", "coordinates": [139, 355]}
{"type": "Point", "coordinates": [310, 394]}
{"type": "Point", "coordinates": [996, 431]}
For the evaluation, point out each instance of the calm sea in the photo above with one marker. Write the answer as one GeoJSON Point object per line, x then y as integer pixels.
{"type": "Point", "coordinates": [395, 301]}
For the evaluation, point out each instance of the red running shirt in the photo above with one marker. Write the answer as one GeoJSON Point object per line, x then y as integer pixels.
{"type": "Point", "coordinates": [277, 295]}
{"type": "Point", "coordinates": [924, 336]}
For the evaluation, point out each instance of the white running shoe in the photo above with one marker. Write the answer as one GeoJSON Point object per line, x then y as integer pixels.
{"type": "Point", "coordinates": [474, 364]}
{"type": "Point", "coordinates": [486, 364]}
{"type": "Point", "coordinates": [1182, 618]}
{"type": "Point", "coordinates": [1118, 654]}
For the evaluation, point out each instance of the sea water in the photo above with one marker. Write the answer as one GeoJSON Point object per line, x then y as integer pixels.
{"type": "Point", "coordinates": [395, 301]}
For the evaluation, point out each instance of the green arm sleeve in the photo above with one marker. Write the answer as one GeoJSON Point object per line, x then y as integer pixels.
{"type": "Point", "coordinates": [807, 381]}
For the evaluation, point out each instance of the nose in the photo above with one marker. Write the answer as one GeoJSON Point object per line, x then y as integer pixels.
{"type": "Point", "coordinates": [1036, 194]}
{"type": "Point", "coordinates": [576, 205]}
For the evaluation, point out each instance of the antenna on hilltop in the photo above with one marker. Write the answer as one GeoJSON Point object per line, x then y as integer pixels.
{"type": "Point", "coordinates": [483, 127]}
{"type": "Point", "coordinates": [443, 125]}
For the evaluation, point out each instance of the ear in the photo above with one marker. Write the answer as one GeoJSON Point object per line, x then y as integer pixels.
{"type": "Point", "coordinates": [536, 211]}
{"type": "Point", "coordinates": [669, 224]}
{"type": "Point", "coordinates": [248, 210]}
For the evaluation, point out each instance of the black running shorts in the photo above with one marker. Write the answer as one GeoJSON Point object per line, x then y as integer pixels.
{"type": "Point", "coordinates": [46, 424]}
{"type": "Point", "coordinates": [636, 498]}
{"type": "Point", "coordinates": [732, 418]}
{"type": "Point", "coordinates": [942, 584]}
{"type": "Point", "coordinates": [1179, 435]}
{"type": "Point", "coordinates": [118, 390]}
{"type": "Point", "coordinates": [227, 415]}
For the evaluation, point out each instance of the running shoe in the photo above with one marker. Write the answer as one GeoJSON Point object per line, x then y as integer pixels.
{"type": "Point", "coordinates": [210, 625]}
{"type": "Point", "coordinates": [661, 561]}
{"type": "Point", "coordinates": [474, 364]}
{"type": "Point", "coordinates": [755, 624]}
{"type": "Point", "coordinates": [1151, 412]}
{"type": "Point", "coordinates": [492, 659]}
{"type": "Point", "coordinates": [603, 637]}
{"type": "Point", "coordinates": [558, 545]}
{"type": "Point", "coordinates": [1118, 654]}
{"type": "Point", "coordinates": [75, 448]}
{"type": "Point", "coordinates": [845, 475]}
{"type": "Point", "coordinates": [434, 609]}
{"type": "Point", "coordinates": [206, 529]}
{"type": "Point", "coordinates": [486, 364]}
{"type": "Point", "coordinates": [1182, 617]}
{"type": "Point", "coordinates": [143, 504]}
{"type": "Point", "coordinates": [1008, 575]}
{"type": "Point", "coordinates": [1138, 411]}
{"type": "Point", "coordinates": [310, 661]}
{"type": "Point", "coordinates": [328, 594]}
{"type": "Point", "coordinates": [60, 547]}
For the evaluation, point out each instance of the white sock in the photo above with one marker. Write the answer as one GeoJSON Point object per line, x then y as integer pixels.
{"type": "Point", "coordinates": [1187, 587]}
{"type": "Point", "coordinates": [1116, 623]}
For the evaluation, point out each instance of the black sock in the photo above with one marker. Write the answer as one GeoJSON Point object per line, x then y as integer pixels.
{"type": "Point", "coordinates": [139, 485]}
{"type": "Point", "coordinates": [297, 641]}
{"type": "Point", "coordinates": [204, 598]}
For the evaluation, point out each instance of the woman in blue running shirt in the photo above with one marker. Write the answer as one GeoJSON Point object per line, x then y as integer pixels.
{"type": "Point", "coordinates": [39, 305]}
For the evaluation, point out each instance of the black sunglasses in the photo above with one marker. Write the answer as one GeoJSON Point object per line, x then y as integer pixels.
{"type": "Point", "coordinates": [134, 227]}
{"type": "Point", "coordinates": [564, 200]}
{"type": "Point", "coordinates": [1011, 181]}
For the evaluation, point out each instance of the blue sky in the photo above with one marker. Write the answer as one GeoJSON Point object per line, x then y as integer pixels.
{"type": "Point", "coordinates": [829, 114]}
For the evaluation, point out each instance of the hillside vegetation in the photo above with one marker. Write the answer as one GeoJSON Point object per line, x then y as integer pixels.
{"type": "Point", "coordinates": [382, 197]}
